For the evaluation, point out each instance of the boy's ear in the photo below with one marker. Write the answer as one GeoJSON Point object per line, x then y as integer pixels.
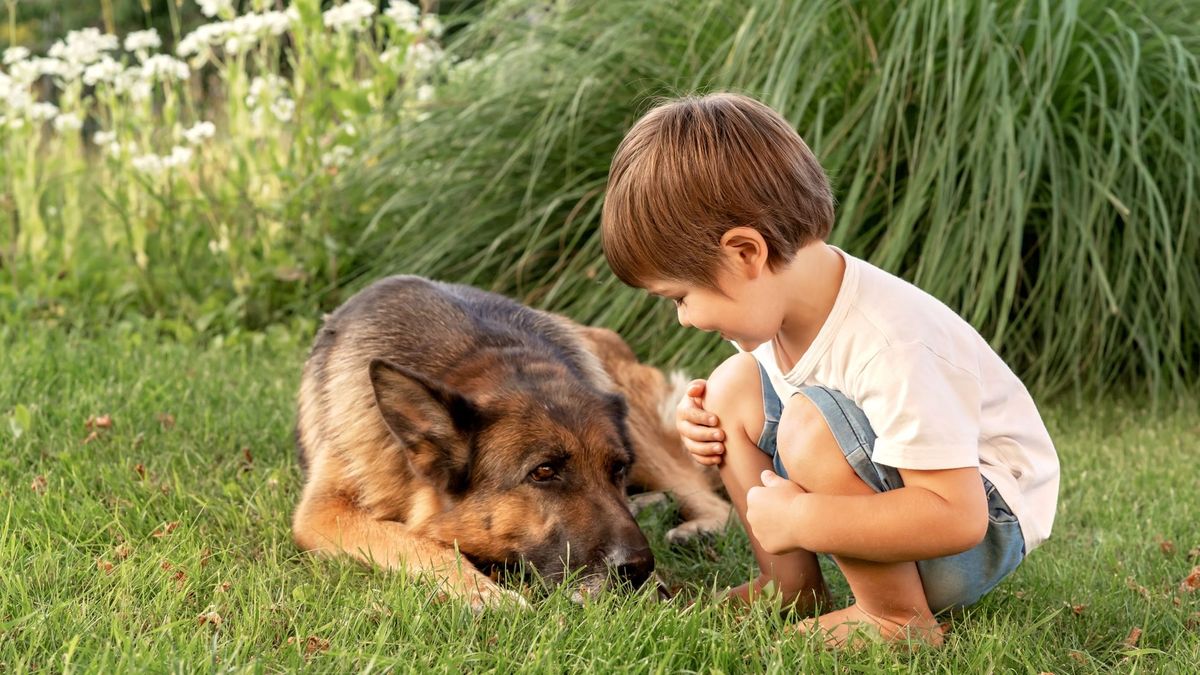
{"type": "Point", "coordinates": [744, 249]}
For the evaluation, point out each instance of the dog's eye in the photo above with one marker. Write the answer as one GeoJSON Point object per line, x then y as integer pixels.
{"type": "Point", "coordinates": [620, 471]}
{"type": "Point", "coordinates": [543, 473]}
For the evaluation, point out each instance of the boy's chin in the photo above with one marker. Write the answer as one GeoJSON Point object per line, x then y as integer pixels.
{"type": "Point", "coordinates": [746, 344]}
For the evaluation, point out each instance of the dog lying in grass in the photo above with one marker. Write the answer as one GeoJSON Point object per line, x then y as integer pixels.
{"type": "Point", "coordinates": [438, 420]}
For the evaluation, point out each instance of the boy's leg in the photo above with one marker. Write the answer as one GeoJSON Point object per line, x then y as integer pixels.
{"type": "Point", "coordinates": [734, 393]}
{"type": "Point", "coordinates": [888, 596]}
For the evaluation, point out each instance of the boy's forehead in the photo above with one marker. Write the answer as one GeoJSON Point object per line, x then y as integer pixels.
{"type": "Point", "coordinates": [659, 287]}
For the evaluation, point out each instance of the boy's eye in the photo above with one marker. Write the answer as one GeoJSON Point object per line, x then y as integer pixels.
{"type": "Point", "coordinates": [678, 302]}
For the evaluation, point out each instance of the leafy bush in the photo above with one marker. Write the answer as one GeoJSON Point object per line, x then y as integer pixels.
{"type": "Point", "coordinates": [1034, 165]}
{"type": "Point", "coordinates": [137, 181]}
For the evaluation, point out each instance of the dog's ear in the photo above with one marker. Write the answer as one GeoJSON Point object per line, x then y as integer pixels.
{"type": "Point", "coordinates": [432, 422]}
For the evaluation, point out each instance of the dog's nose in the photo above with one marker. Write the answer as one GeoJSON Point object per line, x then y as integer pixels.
{"type": "Point", "coordinates": [634, 567]}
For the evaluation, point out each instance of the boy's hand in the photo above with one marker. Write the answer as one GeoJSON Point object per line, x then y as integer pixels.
{"type": "Point", "coordinates": [770, 510]}
{"type": "Point", "coordinates": [698, 427]}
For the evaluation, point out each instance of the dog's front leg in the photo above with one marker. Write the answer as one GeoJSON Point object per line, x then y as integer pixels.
{"type": "Point", "coordinates": [333, 526]}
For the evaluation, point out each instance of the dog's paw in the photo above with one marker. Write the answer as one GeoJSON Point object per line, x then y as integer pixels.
{"type": "Point", "coordinates": [693, 529]}
{"type": "Point", "coordinates": [483, 594]}
{"type": "Point", "coordinates": [643, 501]}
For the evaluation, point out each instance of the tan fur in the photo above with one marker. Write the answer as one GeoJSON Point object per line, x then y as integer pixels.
{"type": "Point", "coordinates": [662, 461]}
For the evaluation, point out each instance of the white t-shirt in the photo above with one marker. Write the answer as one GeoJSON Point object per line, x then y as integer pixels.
{"type": "Point", "coordinates": [936, 394]}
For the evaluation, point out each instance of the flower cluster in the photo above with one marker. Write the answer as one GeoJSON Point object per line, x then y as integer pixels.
{"type": "Point", "coordinates": [155, 165]}
{"type": "Point", "coordinates": [235, 36]}
{"type": "Point", "coordinates": [352, 16]}
{"type": "Point", "coordinates": [268, 93]}
{"type": "Point", "coordinates": [98, 75]}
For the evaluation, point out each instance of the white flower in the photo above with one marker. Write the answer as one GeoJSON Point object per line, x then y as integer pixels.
{"type": "Point", "coordinates": [353, 16]}
{"type": "Point", "coordinates": [151, 164]}
{"type": "Point", "coordinates": [240, 34]}
{"type": "Point", "coordinates": [424, 93]}
{"type": "Point", "coordinates": [200, 132]}
{"type": "Point", "coordinates": [283, 109]}
{"type": "Point", "coordinates": [68, 122]}
{"type": "Point", "coordinates": [154, 165]}
{"type": "Point", "coordinates": [14, 94]}
{"type": "Point", "coordinates": [82, 47]}
{"type": "Point", "coordinates": [264, 88]}
{"type": "Point", "coordinates": [389, 55]}
{"type": "Point", "coordinates": [104, 137]}
{"type": "Point", "coordinates": [337, 156]}
{"type": "Point", "coordinates": [27, 72]}
{"type": "Point", "coordinates": [142, 40]}
{"type": "Point", "coordinates": [133, 82]}
{"type": "Point", "coordinates": [211, 8]}
{"type": "Point", "coordinates": [14, 54]}
{"type": "Point", "coordinates": [431, 25]}
{"type": "Point", "coordinates": [423, 55]}
{"type": "Point", "coordinates": [43, 111]}
{"type": "Point", "coordinates": [16, 123]}
{"type": "Point", "coordinates": [163, 67]}
{"type": "Point", "coordinates": [221, 244]}
{"type": "Point", "coordinates": [405, 15]}
{"type": "Point", "coordinates": [178, 157]}
{"type": "Point", "coordinates": [104, 70]}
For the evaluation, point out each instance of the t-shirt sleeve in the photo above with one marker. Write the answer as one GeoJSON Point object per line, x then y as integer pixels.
{"type": "Point", "coordinates": [925, 410]}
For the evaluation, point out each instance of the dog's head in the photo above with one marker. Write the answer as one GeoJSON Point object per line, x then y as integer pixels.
{"type": "Point", "coordinates": [531, 475]}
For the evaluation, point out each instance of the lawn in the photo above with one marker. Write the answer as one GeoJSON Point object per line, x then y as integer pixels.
{"type": "Point", "coordinates": [148, 482]}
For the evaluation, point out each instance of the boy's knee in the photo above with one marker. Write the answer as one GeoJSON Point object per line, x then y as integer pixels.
{"type": "Point", "coordinates": [734, 393]}
{"type": "Point", "coordinates": [803, 433]}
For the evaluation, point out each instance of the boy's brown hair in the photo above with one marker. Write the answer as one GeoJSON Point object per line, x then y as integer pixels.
{"type": "Point", "coordinates": [695, 167]}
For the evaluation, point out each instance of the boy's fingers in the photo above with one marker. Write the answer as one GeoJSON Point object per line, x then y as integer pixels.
{"type": "Point", "coordinates": [705, 449]}
{"type": "Point", "coordinates": [700, 434]}
{"type": "Point", "coordinates": [700, 417]}
{"type": "Point", "coordinates": [708, 459]}
{"type": "Point", "coordinates": [770, 478]}
{"type": "Point", "coordinates": [687, 403]}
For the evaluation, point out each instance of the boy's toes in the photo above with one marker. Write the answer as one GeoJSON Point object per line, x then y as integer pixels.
{"type": "Point", "coordinates": [854, 628]}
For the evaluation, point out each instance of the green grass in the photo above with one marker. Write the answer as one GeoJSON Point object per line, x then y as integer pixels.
{"type": "Point", "coordinates": [225, 473]}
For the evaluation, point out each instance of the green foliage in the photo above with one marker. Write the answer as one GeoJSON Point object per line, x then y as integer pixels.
{"type": "Point", "coordinates": [1032, 164]}
{"type": "Point", "coordinates": [114, 198]}
{"type": "Point", "coordinates": [94, 577]}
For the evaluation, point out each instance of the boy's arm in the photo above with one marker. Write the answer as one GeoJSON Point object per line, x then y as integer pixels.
{"type": "Point", "coordinates": [937, 513]}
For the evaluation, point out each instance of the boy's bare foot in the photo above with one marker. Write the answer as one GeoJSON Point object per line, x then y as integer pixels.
{"type": "Point", "coordinates": [848, 627]}
{"type": "Point", "coordinates": [803, 602]}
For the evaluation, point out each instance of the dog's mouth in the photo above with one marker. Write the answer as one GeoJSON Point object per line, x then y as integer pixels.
{"type": "Point", "coordinates": [583, 586]}
{"type": "Point", "coordinates": [496, 570]}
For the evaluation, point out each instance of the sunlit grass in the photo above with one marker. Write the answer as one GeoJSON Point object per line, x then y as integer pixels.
{"type": "Point", "coordinates": [163, 543]}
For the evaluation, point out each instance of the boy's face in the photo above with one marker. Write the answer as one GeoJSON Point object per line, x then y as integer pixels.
{"type": "Point", "coordinates": [741, 310]}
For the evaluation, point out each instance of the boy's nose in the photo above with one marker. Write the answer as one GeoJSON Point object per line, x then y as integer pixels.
{"type": "Point", "coordinates": [679, 311]}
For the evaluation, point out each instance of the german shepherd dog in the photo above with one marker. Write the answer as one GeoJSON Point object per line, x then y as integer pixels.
{"type": "Point", "coordinates": [438, 420]}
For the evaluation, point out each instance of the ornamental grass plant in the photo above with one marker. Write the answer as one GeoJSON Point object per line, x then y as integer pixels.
{"type": "Point", "coordinates": [1033, 164]}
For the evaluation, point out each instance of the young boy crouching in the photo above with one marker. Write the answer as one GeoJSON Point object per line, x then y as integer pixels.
{"type": "Point", "coordinates": [862, 417]}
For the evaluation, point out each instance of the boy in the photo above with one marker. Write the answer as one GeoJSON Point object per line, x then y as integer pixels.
{"type": "Point", "coordinates": [862, 418]}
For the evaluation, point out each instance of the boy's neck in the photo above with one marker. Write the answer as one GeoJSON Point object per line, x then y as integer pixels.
{"type": "Point", "coordinates": [810, 285]}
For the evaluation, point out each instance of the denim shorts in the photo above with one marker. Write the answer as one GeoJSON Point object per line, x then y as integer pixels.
{"type": "Point", "coordinates": [950, 582]}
